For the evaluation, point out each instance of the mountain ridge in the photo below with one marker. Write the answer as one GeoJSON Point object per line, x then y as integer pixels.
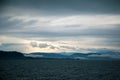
{"type": "Point", "coordinates": [87, 56]}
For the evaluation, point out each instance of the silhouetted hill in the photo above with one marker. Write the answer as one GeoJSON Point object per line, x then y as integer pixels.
{"type": "Point", "coordinates": [10, 54]}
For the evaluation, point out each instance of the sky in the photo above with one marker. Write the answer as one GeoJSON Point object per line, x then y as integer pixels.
{"type": "Point", "coordinates": [59, 25]}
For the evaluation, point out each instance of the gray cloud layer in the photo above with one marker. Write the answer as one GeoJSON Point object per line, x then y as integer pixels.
{"type": "Point", "coordinates": [89, 22]}
{"type": "Point", "coordinates": [65, 6]}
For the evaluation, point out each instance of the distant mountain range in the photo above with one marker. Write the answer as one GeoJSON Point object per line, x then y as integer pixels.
{"type": "Point", "coordinates": [10, 54]}
{"type": "Point", "coordinates": [106, 55]}
{"type": "Point", "coordinates": [100, 55]}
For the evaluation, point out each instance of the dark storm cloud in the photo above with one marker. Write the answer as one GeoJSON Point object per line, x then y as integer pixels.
{"type": "Point", "coordinates": [66, 6]}
{"type": "Point", "coordinates": [103, 33]}
{"type": "Point", "coordinates": [2, 4]}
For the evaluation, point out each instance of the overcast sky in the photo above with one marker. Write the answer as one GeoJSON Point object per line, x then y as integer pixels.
{"type": "Point", "coordinates": [59, 25]}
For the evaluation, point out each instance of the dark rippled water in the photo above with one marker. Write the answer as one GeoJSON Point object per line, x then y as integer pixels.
{"type": "Point", "coordinates": [36, 69]}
